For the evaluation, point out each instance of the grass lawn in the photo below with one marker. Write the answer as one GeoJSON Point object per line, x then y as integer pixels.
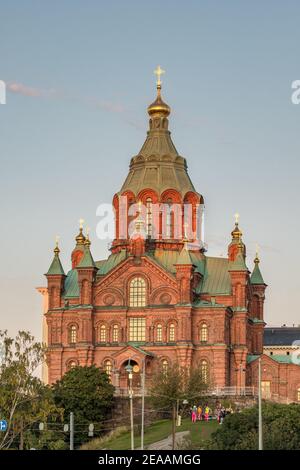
{"type": "Point", "coordinates": [159, 430]}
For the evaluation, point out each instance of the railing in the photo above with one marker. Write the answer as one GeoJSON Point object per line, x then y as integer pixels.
{"type": "Point", "coordinates": [234, 391]}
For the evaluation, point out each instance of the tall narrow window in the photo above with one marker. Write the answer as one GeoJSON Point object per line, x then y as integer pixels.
{"type": "Point", "coordinates": [204, 371]}
{"type": "Point", "coordinates": [159, 333]}
{"type": "Point", "coordinates": [102, 336]}
{"type": "Point", "coordinates": [73, 334]}
{"type": "Point", "coordinates": [165, 366]}
{"type": "Point", "coordinates": [203, 333]}
{"type": "Point", "coordinates": [169, 219]}
{"type": "Point", "coordinates": [108, 368]}
{"type": "Point", "coordinates": [137, 329]}
{"type": "Point", "coordinates": [137, 292]}
{"type": "Point", "coordinates": [149, 216]}
{"type": "Point", "coordinates": [298, 394]}
{"type": "Point", "coordinates": [171, 333]}
{"type": "Point", "coordinates": [115, 335]}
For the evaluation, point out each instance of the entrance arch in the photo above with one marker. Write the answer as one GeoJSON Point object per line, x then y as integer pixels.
{"type": "Point", "coordinates": [136, 374]}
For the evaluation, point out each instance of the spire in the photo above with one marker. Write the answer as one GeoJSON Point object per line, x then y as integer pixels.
{"type": "Point", "coordinates": [256, 276]}
{"type": "Point", "coordinates": [56, 266]}
{"type": "Point", "coordinates": [87, 260]}
{"type": "Point", "coordinates": [80, 239]}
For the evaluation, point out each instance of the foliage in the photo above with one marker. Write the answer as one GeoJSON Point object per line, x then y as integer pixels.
{"type": "Point", "coordinates": [177, 383]}
{"type": "Point", "coordinates": [88, 393]}
{"type": "Point", "coordinates": [281, 429]}
{"type": "Point", "coordinates": [24, 399]}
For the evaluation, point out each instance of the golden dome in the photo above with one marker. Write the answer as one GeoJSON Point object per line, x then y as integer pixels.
{"type": "Point", "coordinates": [236, 232]}
{"type": "Point", "coordinates": [80, 239]}
{"type": "Point", "coordinates": [159, 107]}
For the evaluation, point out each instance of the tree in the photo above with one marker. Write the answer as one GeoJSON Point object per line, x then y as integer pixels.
{"type": "Point", "coordinates": [281, 429]}
{"type": "Point", "coordinates": [24, 399]}
{"type": "Point", "coordinates": [88, 393]}
{"type": "Point", "coordinates": [173, 385]}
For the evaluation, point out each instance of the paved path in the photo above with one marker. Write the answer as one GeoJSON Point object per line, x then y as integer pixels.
{"type": "Point", "coordinates": [166, 444]}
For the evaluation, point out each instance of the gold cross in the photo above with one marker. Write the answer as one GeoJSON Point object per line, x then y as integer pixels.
{"type": "Point", "coordinates": [158, 72]}
{"type": "Point", "coordinates": [81, 222]}
{"type": "Point", "coordinates": [257, 250]}
{"type": "Point", "coordinates": [57, 240]}
{"type": "Point", "coordinates": [237, 216]}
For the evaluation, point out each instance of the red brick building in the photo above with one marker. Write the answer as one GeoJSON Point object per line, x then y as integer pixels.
{"type": "Point", "coordinates": [159, 297]}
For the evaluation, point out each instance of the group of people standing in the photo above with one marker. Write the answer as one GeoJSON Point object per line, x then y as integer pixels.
{"type": "Point", "coordinates": [199, 413]}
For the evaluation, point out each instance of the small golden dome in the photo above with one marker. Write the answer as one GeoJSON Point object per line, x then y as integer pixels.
{"type": "Point", "coordinates": [159, 107]}
{"type": "Point", "coordinates": [80, 239]}
{"type": "Point", "coordinates": [236, 232]}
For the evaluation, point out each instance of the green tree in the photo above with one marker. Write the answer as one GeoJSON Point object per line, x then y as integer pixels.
{"type": "Point", "coordinates": [24, 399]}
{"type": "Point", "coordinates": [281, 429]}
{"type": "Point", "coordinates": [87, 392]}
{"type": "Point", "coordinates": [170, 387]}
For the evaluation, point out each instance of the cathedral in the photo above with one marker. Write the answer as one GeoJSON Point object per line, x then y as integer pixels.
{"type": "Point", "coordinates": [158, 298]}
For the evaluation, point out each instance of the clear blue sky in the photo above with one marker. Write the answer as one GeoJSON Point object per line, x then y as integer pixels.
{"type": "Point", "coordinates": [80, 77]}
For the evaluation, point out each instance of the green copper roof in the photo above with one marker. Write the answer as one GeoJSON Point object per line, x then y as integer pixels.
{"type": "Point", "coordinates": [184, 257]}
{"type": "Point", "coordinates": [238, 264]}
{"type": "Point", "coordinates": [87, 260]}
{"type": "Point", "coordinates": [256, 277]}
{"type": "Point", "coordinates": [71, 284]}
{"type": "Point", "coordinates": [282, 358]}
{"type": "Point", "coordinates": [106, 265]}
{"type": "Point", "coordinates": [252, 357]}
{"type": "Point", "coordinates": [55, 267]}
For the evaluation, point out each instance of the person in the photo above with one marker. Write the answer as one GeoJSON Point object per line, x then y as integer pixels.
{"type": "Point", "coordinates": [206, 414]}
{"type": "Point", "coordinates": [199, 413]}
{"type": "Point", "coordinates": [194, 414]}
{"type": "Point", "coordinates": [222, 414]}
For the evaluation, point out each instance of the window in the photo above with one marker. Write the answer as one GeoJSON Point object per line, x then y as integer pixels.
{"type": "Point", "coordinates": [172, 333]}
{"type": "Point", "coordinates": [108, 368]}
{"type": "Point", "coordinates": [137, 329]}
{"type": "Point", "coordinates": [204, 371]}
{"type": "Point", "coordinates": [169, 219]}
{"type": "Point", "coordinates": [71, 365]}
{"type": "Point", "coordinates": [115, 335]}
{"type": "Point", "coordinates": [73, 334]}
{"type": "Point", "coordinates": [149, 216]}
{"type": "Point", "coordinates": [137, 292]}
{"type": "Point", "coordinates": [102, 334]}
{"type": "Point", "coordinates": [159, 333]}
{"type": "Point", "coordinates": [203, 332]}
{"type": "Point", "coordinates": [298, 394]}
{"type": "Point", "coordinates": [266, 389]}
{"type": "Point", "coordinates": [165, 366]}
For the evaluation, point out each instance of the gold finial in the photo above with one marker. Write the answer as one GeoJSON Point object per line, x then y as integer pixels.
{"type": "Point", "coordinates": [56, 249]}
{"type": "Point", "coordinates": [256, 259]}
{"type": "Point", "coordinates": [237, 217]}
{"type": "Point", "coordinates": [159, 72]}
{"type": "Point", "coordinates": [80, 239]}
{"type": "Point", "coordinates": [87, 238]}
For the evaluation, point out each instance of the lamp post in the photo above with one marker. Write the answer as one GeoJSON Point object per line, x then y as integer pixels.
{"type": "Point", "coordinates": [260, 435]}
{"type": "Point", "coordinates": [128, 369]}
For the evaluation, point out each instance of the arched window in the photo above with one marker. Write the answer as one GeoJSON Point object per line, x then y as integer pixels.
{"type": "Point", "coordinates": [172, 333]}
{"type": "Point", "coordinates": [149, 216]}
{"type": "Point", "coordinates": [115, 334]}
{"type": "Point", "coordinates": [159, 333]}
{"type": "Point", "coordinates": [169, 219]}
{"type": "Point", "coordinates": [108, 368]}
{"type": "Point", "coordinates": [203, 332]}
{"type": "Point", "coordinates": [165, 366]}
{"type": "Point", "coordinates": [204, 371]}
{"type": "Point", "coordinates": [137, 292]}
{"type": "Point", "coordinates": [102, 334]}
{"type": "Point", "coordinates": [73, 334]}
{"type": "Point", "coordinates": [298, 394]}
{"type": "Point", "coordinates": [71, 365]}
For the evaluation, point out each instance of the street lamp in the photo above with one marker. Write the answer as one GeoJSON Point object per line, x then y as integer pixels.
{"type": "Point", "coordinates": [128, 369]}
{"type": "Point", "coordinates": [260, 431]}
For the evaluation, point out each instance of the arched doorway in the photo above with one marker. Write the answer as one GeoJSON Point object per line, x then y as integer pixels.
{"type": "Point", "coordinates": [136, 374]}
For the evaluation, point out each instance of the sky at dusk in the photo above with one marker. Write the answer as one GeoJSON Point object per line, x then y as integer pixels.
{"type": "Point", "coordinates": [79, 77]}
